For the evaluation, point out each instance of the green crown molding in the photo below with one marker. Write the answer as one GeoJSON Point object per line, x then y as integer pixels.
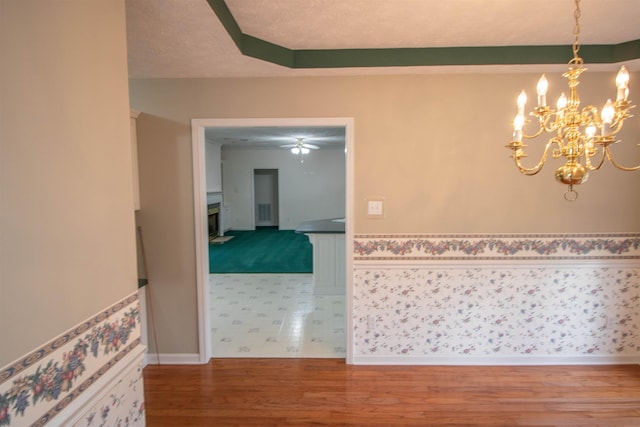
{"type": "Point", "coordinates": [427, 56]}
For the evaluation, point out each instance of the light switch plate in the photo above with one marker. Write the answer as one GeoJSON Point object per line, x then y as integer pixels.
{"type": "Point", "coordinates": [375, 207]}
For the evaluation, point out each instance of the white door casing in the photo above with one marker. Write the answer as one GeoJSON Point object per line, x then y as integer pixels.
{"type": "Point", "coordinates": [198, 127]}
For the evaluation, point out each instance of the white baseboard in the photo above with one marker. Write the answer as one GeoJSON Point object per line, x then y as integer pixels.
{"type": "Point", "coordinates": [172, 359]}
{"type": "Point", "coordinates": [496, 361]}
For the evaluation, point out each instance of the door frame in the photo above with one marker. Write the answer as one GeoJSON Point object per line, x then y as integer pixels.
{"type": "Point", "coordinates": [198, 127]}
{"type": "Point", "coordinates": [253, 195]}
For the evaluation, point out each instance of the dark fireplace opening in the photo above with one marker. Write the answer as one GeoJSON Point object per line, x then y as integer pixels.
{"type": "Point", "coordinates": [213, 213]}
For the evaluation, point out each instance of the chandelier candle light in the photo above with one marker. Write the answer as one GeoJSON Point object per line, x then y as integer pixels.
{"type": "Point", "coordinates": [580, 135]}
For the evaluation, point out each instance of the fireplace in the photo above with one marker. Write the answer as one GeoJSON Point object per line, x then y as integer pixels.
{"type": "Point", "coordinates": [213, 213]}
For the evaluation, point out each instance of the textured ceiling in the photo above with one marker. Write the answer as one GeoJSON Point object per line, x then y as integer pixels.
{"type": "Point", "coordinates": [184, 38]}
{"type": "Point", "coordinates": [330, 24]}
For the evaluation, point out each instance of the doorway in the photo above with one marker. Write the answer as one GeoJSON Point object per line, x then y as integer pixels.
{"type": "Point", "coordinates": [265, 197]}
{"type": "Point", "coordinates": [200, 208]}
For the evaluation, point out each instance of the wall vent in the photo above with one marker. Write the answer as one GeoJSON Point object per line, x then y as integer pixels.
{"type": "Point", "coordinates": [264, 212]}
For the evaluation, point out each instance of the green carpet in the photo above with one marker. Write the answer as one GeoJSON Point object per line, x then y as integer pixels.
{"type": "Point", "coordinates": [265, 250]}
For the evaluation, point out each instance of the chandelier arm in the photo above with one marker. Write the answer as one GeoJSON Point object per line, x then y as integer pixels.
{"type": "Point", "coordinates": [549, 125]}
{"type": "Point", "coordinates": [590, 166]}
{"type": "Point", "coordinates": [546, 125]}
{"type": "Point", "coordinates": [542, 127]}
{"type": "Point", "coordinates": [617, 126]}
{"type": "Point", "coordinates": [535, 135]}
{"type": "Point", "coordinates": [613, 162]}
{"type": "Point", "coordinates": [537, 168]}
{"type": "Point", "coordinates": [590, 115]}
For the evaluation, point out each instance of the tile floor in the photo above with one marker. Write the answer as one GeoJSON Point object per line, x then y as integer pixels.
{"type": "Point", "coordinates": [274, 315]}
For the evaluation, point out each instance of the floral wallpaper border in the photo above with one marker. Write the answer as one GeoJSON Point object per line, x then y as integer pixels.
{"type": "Point", "coordinates": [478, 247]}
{"type": "Point", "coordinates": [38, 386]}
{"type": "Point", "coordinates": [44, 419]}
{"type": "Point", "coordinates": [29, 360]}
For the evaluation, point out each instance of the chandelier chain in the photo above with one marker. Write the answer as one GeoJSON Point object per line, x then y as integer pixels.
{"type": "Point", "coordinates": [576, 33]}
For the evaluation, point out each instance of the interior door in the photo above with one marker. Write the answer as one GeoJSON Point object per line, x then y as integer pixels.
{"type": "Point", "coordinates": [265, 184]}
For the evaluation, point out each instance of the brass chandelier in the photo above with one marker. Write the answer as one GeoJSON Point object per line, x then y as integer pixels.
{"type": "Point", "coordinates": [580, 134]}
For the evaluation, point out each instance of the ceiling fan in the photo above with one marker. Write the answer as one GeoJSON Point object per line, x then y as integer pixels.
{"type": "Point", "coordinates": [301, 148]}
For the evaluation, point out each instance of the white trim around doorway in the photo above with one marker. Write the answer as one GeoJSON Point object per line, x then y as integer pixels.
{"type": "Point", "coordinates": [198, 127]}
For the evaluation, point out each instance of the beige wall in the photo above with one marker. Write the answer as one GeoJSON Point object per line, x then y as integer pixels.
{"type": "Point", "coordinates": [431, 145]}
{"type": "Point", "coordinates": [166, 220]}
{"type": "Point", "coordinates": [67, 242]}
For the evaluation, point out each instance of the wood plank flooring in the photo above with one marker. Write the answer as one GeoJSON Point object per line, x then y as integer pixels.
{"type": "Point", "coordinates": [288, 392]}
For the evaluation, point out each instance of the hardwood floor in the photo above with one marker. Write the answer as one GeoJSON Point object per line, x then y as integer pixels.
{"type": "Point", "coordinates": [269, 392]}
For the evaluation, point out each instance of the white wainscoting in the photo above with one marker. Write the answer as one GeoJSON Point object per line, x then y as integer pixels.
{"type": "Point", "coordinates": [496, 300]}
{"type": "Point", "coordinates": [118, 401]}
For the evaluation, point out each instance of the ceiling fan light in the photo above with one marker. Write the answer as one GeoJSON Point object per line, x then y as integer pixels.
{"type": "Point", "coordinates": [295, 150]}
{"type": "Point", "coordinates": [304, 150]}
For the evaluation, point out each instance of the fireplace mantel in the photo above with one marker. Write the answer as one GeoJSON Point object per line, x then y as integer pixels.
{"type": "Point", "coordinates": [214, 197]}
{"type": "Point", "coordinates": [214, 214]}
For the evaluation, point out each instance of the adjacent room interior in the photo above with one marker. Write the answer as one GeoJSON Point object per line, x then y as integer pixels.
{"type": "Point", "coordinates": [263, 183]}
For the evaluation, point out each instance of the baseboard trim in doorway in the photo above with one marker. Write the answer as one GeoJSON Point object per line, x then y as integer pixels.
{"type": "Point", "coordinates": [172, 359]}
